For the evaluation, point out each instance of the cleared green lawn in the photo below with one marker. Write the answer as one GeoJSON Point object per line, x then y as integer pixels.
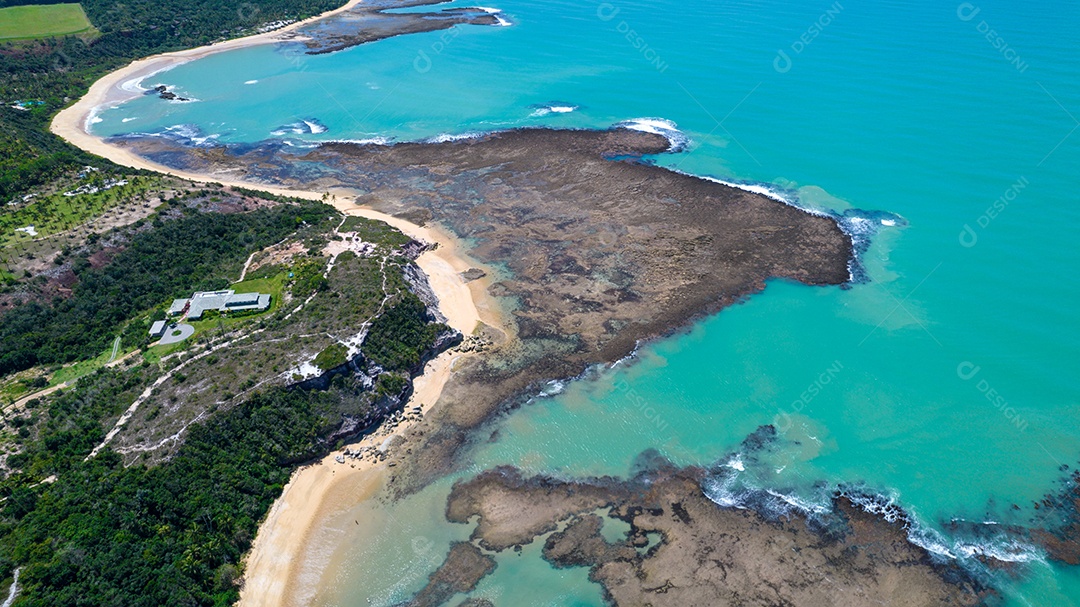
{"type": "Point", "coordinates": [42, 21]}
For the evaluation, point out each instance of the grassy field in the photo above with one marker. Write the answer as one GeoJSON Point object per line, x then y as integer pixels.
{"type": "Point", "coordinates": [53, 213]}
{"type": "Point", "coordinates": [74, 371]}
{"type": "Point", "coordinates": [42, 21]}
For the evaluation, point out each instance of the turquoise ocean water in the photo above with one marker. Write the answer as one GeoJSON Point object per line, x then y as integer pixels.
{"type": "Point", "coordinates": [948, 382]}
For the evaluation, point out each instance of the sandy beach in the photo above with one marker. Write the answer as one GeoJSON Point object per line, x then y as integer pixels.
{"type": "Point", "coordinates": [320, 491]}
{"type": "Point", "coordinates": [71, 122]}
{"type": "Point", "coordinates": [317, 491]}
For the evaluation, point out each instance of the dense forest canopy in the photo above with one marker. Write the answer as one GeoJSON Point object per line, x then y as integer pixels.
{"type": "Point", "coordinates": [92, 531]}
{"type": "Point", "coordinates": [177, 257]}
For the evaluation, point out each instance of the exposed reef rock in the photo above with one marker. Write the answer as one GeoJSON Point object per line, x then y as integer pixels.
{"type": "Point", "coordinates": [1061, 514]}
{"type": "Point", "coordinates": [368, 22]}
{"type": "Point", "coordinates": [464, 567]}
{"type": "Point", "coordinates": [473, 274]}
{"type": "Point", "coordinates": [600, 250]}
{"type": "Point", "coordinates": [163, 92]}
{"type": "Point", "coordinates": [683, 549]}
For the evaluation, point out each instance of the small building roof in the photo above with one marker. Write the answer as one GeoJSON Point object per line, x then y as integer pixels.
{"type": "Point", "coordinates": [157, 329]}
{"type": "Point", "coordinates": [225, 301]}
{"type": "Point", "coordinates": [243, 299]}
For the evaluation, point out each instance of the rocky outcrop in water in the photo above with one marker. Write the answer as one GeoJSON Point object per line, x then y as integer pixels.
{"type": "Point", "coordinates": [464, 567]}
{"type": "Point", "coordinates": [369, 21]}
{"type": "Point", "coordinates": [163, 92]}
{"type": "Point", "coordinates": [683, 549]}
{"type": "Point", "coordinates": [600, 249]}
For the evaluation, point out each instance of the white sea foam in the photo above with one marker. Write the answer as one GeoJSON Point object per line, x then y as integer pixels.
{"type": "Point", "coordinates": [190, 132]}
{"type": "Point", "coordinates": [736, 463]}
{"type": "Point", "coordinates": [303, 145]}
{"type": "Point", "coordinates": [251, 82]}
{"type": "Point", "coordinates": [135, 85]}
{"type": "Point", "coordinates": [370, 141]}
{"type": "Point", "coordinates": [497, 13]}
{"type": "Point", "coordinates": [859, 228]}
{"type": "Point", "coordinates": [798, 503]}
{"type": "Point", "coordinates": [1005, 550]}
{"type": "Point", "coordinates": [544, 110]}
{"type": "Point", "coordinates": [315, 127]}
{"type": "Point", "coordinates": [181, 96]}
{"type": "Point", "coordinates": [884, 506]}
{"type": "Point", "coordinates": [553, 388]}
{"type": "Point", "coordinates": [305, 126]}
{"type": "Point", "coordinates": [128, 119]}
{"type": "Point", "coordinates": [721, 491]}
{"type": "Point", "coordinates": [659, 126]}
{"type": "Point", "coordinates": [445, 137]}
{"type": "Point", "coordinates": [765, 190]}
{"type": "Point", "coordinates": [632, 355]}
{"type": "Point", "coordinates": [1001, 548]}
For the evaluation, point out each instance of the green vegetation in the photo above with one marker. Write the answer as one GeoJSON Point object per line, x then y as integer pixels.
{"type": "Point", "coordinates": [378, 232]}
{"type": "Point", "coordinates": [72, 372]}
{"type": "Point", "coordinates": [179, 256]}
{"type": "Point", "coordinates": [105, 534]}
{"type": "Point", "coordinates": [169, 526]}
{"type": "Point", "coordinates": [308, 277]}
{"type": "Point", "coordinates": [55, 213]}
{"type": "Point", "coordinates": [332, 357]}
{"type": "Point", "coordinates": [401, 334]}
{"type": "Point", "coordinates": [41, 21]}
{"type": "Point", "coordinates": [273, 285]}
{"type": "Point", "coordinates": [19, 384]}
{"type": "Point", "coordinates": [111, 530]}
{"type": "Point", "coordinates": [53, 71]}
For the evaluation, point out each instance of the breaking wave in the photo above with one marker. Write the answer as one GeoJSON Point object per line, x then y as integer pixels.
{"type": "Point", "coordinates": [304, 126]}
{"type": "Point", "coordinates": [859, 225]}
{"type": "Point", "coordinates": [494, 12]}
{"type": "Point", "coordinates": [659, 126]}
{"type": "Point", "coordinates": [555, 107]}
{"type": "Point", "coordinates": [446, 137]}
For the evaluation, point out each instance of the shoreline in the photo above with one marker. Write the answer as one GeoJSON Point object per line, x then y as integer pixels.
{"type": "Point", "coordinates": [70, 123]}
{"type": "Point", "coordinates": [317, 491]}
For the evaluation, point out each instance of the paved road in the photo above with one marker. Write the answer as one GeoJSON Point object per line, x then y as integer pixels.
{"type": "Point", "coordinates": [18, 405]}
{"type": "Point", "coordinates": [115, 348]}
{"type": "Point", "coordinates": [177, 333]}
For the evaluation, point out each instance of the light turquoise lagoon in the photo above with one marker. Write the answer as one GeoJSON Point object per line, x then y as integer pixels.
{"type": "Point", "coordinates": [948, 382]}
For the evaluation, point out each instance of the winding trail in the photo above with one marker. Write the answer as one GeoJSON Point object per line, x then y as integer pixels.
{"type": "Point", "coordinates": [115, 348]}
{"type": "Point", "coordinates": [13, 591]}
{"type": "Point", "coordinates": [289, 534]}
